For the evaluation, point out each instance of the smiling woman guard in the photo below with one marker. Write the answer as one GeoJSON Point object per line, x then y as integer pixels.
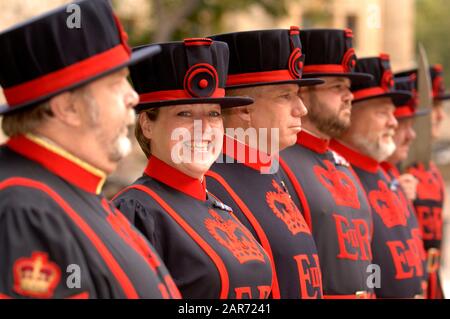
{"type": "Point", "coordinates": [208, 251]}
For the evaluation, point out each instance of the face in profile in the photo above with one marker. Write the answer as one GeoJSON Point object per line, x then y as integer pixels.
{"type": "Point", "coordinates": [277, 107]}
{"type": "Point", "coordinates": [108, 117]}
{"type": "Point", "coordinates": [373, 128]}
{"type": "Point", "coordinates": [329, 105]}
{"type": "Point", "coordinates": [403, 138]}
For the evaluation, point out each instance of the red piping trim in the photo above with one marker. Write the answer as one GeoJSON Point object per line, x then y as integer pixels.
{"type": "Point", "coordinates": [259, 230]}
{"type": "Point", "coordinates": [195, 236]}
{"type": "Point", "coordinates": [83, 295]}
{"type": "Point", "coordinates": [259, 77]}
{"type": "Point", "coordinates": [324, 68]}
{"type": "Point", "coordinates": [67, 76]}
{"type": "Point", "coordinates": [373, 91]}
{"type": "Point", "coordinates": [403, 111]}
{"type": "Point", "coordinates": [299, 190]}
{"type": "Point", "coordinates": [111, 263]}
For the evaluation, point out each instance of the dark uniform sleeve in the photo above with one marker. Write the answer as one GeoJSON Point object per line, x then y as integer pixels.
{"type": "Point", "coordinates": [39, 256]}
{"type": "Point", "coordinates": [142, 217]}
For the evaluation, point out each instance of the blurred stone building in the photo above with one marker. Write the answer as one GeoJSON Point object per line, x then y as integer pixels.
{"type": "Point", "coordinates": [378, 25]}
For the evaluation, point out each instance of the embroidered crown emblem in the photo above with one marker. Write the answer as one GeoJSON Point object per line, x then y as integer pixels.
{"type": "Point", "coordinates": [388, 206]}
{"type": "Point", "coordinates": [36, 277]}
{"type": "Point", "coordinates": [236, 238]}
{"type": "Point", "coordinates": [428, 187]}
{"type": "Point", "coordinates": [339, 185]}
{"type": "Point", "coordinates": [284, 208]}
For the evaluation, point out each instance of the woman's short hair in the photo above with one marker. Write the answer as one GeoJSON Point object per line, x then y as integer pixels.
{"type": "Point", "coordinates": [143, 141]}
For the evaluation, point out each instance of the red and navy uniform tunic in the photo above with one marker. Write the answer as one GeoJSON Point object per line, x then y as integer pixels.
{"type": "Point", "coordinates": [60, 238]}
{"type": "Point", "coordinates": [209, 253]}
{"type": "Point", "coordinates": [337, 211]}
{"type": "Point", "coordinates": [394, 173]}
{"type": "Point", "coordinates": [263, 205]}
{"type": "Point", "coordinates": [428, 205]}
{"type": "Point", "coordinates": [397, 245]}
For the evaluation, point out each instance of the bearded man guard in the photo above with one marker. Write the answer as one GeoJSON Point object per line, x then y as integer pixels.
{"type": "Point", "coordinates": [429, 202]}
{"type": "Point", "coordinates": [334, 202]}
{"type": "Point", "coordinates": [69, 107]}
{"type": "Point", "coordinates": [397, 240]}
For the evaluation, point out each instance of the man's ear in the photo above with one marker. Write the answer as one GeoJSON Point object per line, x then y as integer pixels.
{"type": "Point", "coordinates": [66, 109]}
{"type": "Point", "coordinates": [146, 125]}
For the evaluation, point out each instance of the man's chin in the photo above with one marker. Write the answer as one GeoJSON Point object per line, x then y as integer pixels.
{"type": "Point", "coordinates": [385, 150]}
{"type": "Point", "coordinates": [123, 149]}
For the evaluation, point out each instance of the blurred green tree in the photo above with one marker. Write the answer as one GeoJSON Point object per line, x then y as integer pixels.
{"type": "Point", "coordinates": [432, 29]}
{"type": "Point", "coordinates": [177, 19]}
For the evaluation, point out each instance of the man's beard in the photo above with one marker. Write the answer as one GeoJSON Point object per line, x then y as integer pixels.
{"type": "Point", "coordinates": [118, 147]}
{"type": "Point", "coordinates": [329, 124]}
{"type": "Point", "coordinates": [377, 150]}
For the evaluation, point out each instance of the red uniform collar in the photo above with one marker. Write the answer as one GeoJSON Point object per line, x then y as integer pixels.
{"type": "Point", "coordinates": [259, 160]}
{"type": "Point", "coordinates": [59, 162]}
{"type": "Point", "coordinates": [390, 169]}
{"type": "Point", "coordinates": [355, 158]}
{"type": "Point", "coordinates": [312, 142]}
{"type": "Point", "coordinates": [172, 177]}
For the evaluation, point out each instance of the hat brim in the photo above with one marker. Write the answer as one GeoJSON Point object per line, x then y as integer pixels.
{"type": "Point", "coordinates": [418, 113]}
{"type": "Point", "coordinates": [354, 77]}
{"type": "Point", "coordinates": [300, 82]}
{"type": "Point", "coordinates": [400, 97]}
{"type": "Point", "coordinates": [422, 112]}
{"type": "Point", "coordinates": [443, 97]}
{"type": "Point", "coordinates": [134, 58]}
{"type": "Point", "coordinates": [225, 102]}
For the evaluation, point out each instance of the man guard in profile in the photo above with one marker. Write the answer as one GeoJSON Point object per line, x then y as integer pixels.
{"type": "Point", "coordinates": [67, 117]}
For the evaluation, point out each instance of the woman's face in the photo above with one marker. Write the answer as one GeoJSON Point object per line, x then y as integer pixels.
{"type": "Point", "coordinates": [187, 137]}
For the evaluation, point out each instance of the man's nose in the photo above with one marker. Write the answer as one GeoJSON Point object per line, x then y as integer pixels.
{"type": "Point", "coordinates": [300, 109]}
{"type": "Point", "coordinates": [131, 97]}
